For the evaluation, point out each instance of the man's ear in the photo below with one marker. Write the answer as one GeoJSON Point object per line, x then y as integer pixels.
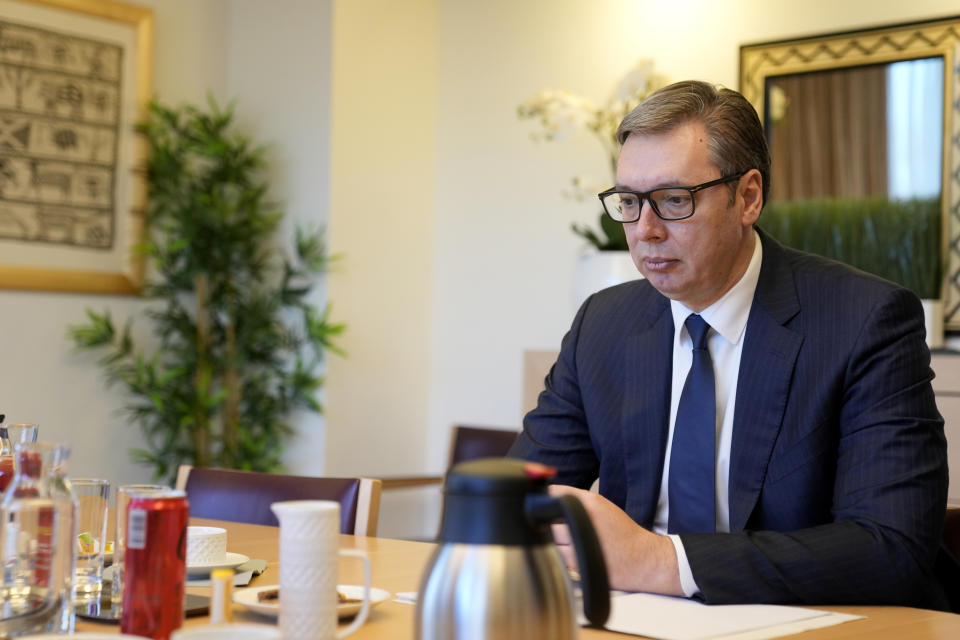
{"type": "Point", "coordinates": [751, 190]}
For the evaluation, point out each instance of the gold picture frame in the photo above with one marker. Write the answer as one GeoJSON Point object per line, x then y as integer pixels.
{"type": "Point", "coordinates": [931, 38]}
{"type": "Point", "coordinates": [75, 77]}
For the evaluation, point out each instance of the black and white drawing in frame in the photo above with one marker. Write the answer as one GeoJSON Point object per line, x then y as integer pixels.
{"type": "Point", "coordinates": [75, 78]}
{"type": "Point", "coordinates": [59, 127]}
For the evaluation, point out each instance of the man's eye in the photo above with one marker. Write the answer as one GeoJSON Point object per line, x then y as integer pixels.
{"type": "Point", "coordinates": [673, 199]}
{"type": "Point", "coordinates": [628, 201]}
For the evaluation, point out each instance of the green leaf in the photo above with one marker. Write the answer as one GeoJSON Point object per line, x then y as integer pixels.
{"type": "Point", "coordinates": [97, 333]}
{"type": "Point", "coordinates": [312, 251]}
{"type": "Point", "coordinates": [613, 237]}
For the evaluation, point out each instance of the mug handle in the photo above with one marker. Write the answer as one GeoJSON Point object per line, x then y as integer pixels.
{"type": "Point", "coordinates": [365, 607]}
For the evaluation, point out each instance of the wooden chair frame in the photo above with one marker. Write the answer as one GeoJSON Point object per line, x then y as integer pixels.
{"type": "Point", "coordinates": [408, 482]}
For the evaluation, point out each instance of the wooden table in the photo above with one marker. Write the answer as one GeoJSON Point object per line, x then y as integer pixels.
{"type": "Point", "coordinates": [398, 564]}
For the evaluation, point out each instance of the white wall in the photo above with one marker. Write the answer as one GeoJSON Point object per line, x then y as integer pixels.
{"type": "Point", "coordinates": [279, 71]}
{"type": "Point", "coordinates": [382, 221]}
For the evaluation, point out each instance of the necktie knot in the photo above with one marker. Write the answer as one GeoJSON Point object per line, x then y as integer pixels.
{"type": "Point", "coordinates": [698, 329]}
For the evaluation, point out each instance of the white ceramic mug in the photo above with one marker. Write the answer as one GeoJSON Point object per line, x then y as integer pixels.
{"type": "Point", "coordinates": [309, 561]}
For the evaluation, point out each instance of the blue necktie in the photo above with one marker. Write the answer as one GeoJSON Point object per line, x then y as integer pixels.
{"type": "Point", "coordinates": [691, 489]}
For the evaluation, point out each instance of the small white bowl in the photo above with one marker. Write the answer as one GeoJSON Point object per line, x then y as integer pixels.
{"type": "Point", "coordinates": [206, 545]}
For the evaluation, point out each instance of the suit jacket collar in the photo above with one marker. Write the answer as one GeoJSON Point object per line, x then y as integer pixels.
{"type": "Point", "coordinates": [769, 355]}
{"type": "Point", "coordinates": [646, 411]}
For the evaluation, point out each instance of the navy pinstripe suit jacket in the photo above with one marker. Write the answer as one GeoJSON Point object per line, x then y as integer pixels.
{"type": "Point", "coordinates": [838, 472]}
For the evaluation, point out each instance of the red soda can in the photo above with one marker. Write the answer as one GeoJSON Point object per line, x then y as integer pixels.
{"type": "Point", "coordinates": [155, 566]}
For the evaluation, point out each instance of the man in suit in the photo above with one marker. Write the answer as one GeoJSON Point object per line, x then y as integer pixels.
{"type": "Point", "coordinates": [803, 458]}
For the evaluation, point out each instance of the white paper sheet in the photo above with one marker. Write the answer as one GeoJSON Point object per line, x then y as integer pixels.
{"type": "Point", "coordinates": [681, 619]}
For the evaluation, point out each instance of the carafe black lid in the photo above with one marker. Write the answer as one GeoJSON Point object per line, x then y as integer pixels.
{"type": "Point", "coordinates": [497, 476]}
{"type": "Point", "coordinates": [485, 502]}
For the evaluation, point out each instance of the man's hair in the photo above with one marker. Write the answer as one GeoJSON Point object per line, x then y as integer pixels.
{"type": "Point", "coordinates": [736, 141]}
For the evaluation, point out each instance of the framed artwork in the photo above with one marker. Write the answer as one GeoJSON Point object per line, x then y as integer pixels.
{"type": "Point", "coordinates": [75, 78]}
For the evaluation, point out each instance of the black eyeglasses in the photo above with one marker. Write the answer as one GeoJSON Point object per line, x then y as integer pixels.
{"type": "Point", "coordinates": [669, 203]}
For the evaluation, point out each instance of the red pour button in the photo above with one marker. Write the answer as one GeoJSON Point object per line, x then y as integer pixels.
{"type": "Point", "coordinates": [537, 471]}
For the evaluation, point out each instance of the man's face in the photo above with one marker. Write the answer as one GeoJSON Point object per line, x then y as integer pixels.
{"type": "Point", "coordinates": [694, 261]}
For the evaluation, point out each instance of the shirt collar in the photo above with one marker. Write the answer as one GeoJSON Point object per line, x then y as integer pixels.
{"type": "Point", "coordinates": [728, 315]}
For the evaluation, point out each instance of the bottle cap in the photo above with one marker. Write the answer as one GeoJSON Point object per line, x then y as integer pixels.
{"type": "Point", "coordinates": [221, 604]}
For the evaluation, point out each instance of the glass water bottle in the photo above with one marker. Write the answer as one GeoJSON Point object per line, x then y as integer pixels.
{"type": "Point", "coordinates": [38, 543]}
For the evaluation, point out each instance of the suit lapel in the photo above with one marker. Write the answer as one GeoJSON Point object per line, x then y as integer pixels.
{"type": "Point", "coordinates": [769, 355]}
{"type": "Point", "coordinates": [646, 412]}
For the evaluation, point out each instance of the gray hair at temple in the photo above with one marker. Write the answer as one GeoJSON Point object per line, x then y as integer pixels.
{"type": "Point", "coordinates": [736, 143]}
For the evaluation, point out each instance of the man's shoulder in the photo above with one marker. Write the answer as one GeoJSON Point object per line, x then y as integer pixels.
{"type": "Point", "coordinates": [625, 307]}
{"type": "Point", "coordinates": [818, 276]}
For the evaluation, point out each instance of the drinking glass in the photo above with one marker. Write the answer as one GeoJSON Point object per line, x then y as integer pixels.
{"type": "Point", "coordinates": [120, 534]}
{"type": "Point", "coordinates": [93, 495]}
{"type": "Point", "coordinates": [10, 436]}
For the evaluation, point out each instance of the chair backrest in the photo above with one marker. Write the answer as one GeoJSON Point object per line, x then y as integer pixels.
{"type": "Point", "coordinates": [246, 496]}
{"type": "Point", "coordinates": [948, 567]}
{"type": "Point", "coordinates": [951, 531]}
{"type": "Point", "coordinates": [469, 443]}
{"type": "Point", "coordinates": [466, 443]}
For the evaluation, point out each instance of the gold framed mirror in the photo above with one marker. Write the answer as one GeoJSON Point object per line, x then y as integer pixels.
{"type": "Point", "coordinates": [850, 62]}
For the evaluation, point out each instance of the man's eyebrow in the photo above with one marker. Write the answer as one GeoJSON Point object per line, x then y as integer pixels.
{"type": "Point", "coordinates": [666, 183]}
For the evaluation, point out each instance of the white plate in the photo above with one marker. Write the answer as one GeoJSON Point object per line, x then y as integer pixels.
{"type": "Point", "coordinates": [232, 561]}
{"type": "Point", "coordinates": [248, 598]}
{"type": "Point", "coordinates": [89, 635]}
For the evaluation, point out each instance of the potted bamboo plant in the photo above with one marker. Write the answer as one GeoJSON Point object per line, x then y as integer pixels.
{"type": "Point", "coordinates": [239, 344]}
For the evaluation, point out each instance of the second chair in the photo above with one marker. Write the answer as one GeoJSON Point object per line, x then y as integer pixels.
{"type": "Point", "coordinates": [246, 496]}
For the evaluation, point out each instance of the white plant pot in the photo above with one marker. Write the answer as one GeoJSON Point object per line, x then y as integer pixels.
{"type": "Point", "coordinates": [599, 270]}
{"type": "Point", "coordinates": [933, 322]}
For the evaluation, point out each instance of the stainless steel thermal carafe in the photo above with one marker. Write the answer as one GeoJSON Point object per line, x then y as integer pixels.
{"type": "Point", "coordinates": [496, 573]}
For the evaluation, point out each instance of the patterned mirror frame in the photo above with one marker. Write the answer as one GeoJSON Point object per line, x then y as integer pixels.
{"type": "Point", "coordinates": [940, 37]}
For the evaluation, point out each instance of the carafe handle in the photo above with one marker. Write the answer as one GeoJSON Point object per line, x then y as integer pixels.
{"type": "Point", "coordinates": [593, 570]}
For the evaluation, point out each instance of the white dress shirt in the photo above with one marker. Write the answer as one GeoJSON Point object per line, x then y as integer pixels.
{"type": "Point", "coordinates": [728, 319]}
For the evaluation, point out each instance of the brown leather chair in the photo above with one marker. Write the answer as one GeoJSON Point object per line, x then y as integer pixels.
{"type": "Point", "coordinates": [466, 443]}
{"type": "Point", "coordinates": [246, 496]}
{"type": "Point", "coordinates": [470, 443]}
{"type": "Point", "coordinates": [948, 567]}
{"type": "Point", "coordinates": [951, 531]}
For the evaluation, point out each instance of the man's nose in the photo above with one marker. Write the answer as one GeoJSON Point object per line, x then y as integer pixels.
{"type": "Point", "coordinates": [648, 227]}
